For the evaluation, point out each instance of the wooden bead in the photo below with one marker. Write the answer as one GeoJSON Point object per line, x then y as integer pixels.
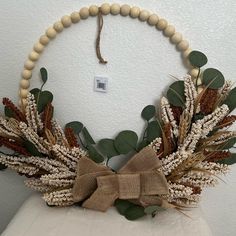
{"type": "Point", "coordinates": [58, 26]}
{"type": "Point", "coordinates": [183, 45]}
{"type": "Point", "coordinates": [186, 53]}
{"type": "Point", "coordinates": [66, 21]}
{"type": "Point", "coordinates": [29, 65]}
{"type": "Point", "coordinates": [26, 74]}
{"type": "Point", "coordinates": [38, 47]}
{"type": "Point", "coordinates": [153, 19]}
{"type": "Point", "coordinates": [134, 12]}
{"type": "Point", "coordinates": [51, 32]}
{"type": "Point", "coordinates": [162, 24]}
{"type": "Point", "coordinates": [144, 15]}
{"type": "Point", "coordinates": [194, 72]}
{"type": "Point", "coordinates": [23, 93]}
{"type": "Point", "coordinates": [115, 9]}
{"type": "Point", "coordinates": [176, 38]}
{"type": "Point", "coordinates": [33, 56]}
{"type": "Point", "coordinates": [24, 83]}
{"type": "Point", "coordinates": [84, 13]}
{"type": "Point", "coordinates": [75, 17]}
{"type": "Point", "coordinates": [125, 10]}
{"type": "Point", "coordinates": [93, 10]}
{"type": "Point", "coordinates": [44, 40]}
{"type": "Point", "coordinates": [200, 89]}
{"type": "Point", "coordinates": [169, 31]}
{"type": "Point", "coordinates": [105, 8]}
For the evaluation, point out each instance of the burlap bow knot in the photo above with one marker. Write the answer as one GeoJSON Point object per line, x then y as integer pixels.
{"type": "Point", "coordinates": [101, 186]}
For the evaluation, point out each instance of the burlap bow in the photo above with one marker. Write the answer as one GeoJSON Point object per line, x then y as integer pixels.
{"type": "Point", "coordinates": [100, 186]}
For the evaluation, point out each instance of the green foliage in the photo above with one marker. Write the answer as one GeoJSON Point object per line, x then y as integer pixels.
{"type": "Point", "coordinates": [107, 147]}
{"type": "Point", "coordinates": [30, 147]}
{"type": "Point", "coordinates": [87, 137]}
{"type": "Point", "coordinates": [213, 78]}
{"type": "Point", "coordinates": [8, 112]}
{"type": "Point", "coordinates": [94, 154]}
{"type": "Point", "coordinates": [230, 101]}
{"type": "Point", "coordinates": [175, 94]}
{"type": "Point", "coordinates": [153, 209]}
{"type": "Point", "coordinates": [44, 75]}
{"type": "Point", "coordinates": [197, 59]}
{"type": "Point", "coordinates": [142, 144]}
{"type": "Point", "coordinates": [129, 210]}
{"type": "Point", "coordinates": [126, 141]}
{"type": "Point", "coordinates": [35, 92]}
{"type": "Point", "coordinates": [44, 98]}
{"type": "Point", "coordinates": [76, 126]}
{"type": "Point", "coordinates": [230, 160]}
{"type": "Point", "coordinates": [153, 130]}
{"type": "Point", "coordinates": [148, 112]}
{"type": "Point", "coordinates": [229, 144]}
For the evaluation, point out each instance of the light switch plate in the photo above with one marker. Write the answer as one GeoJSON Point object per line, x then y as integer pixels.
{"type": "Point", "coordinates": [100, 84]}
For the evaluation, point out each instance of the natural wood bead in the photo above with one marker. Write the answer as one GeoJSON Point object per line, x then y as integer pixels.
{"type": "Point", "coordinates": [176, 38]}
{"type": "Point", "coordinates": [23, 93]}
{"type": "Point", "coordinates": [105, 8]}
{"type": "Point", "coordinates": [198, 81]}
{"type": "Point", "coordinates": [33, 56]}
{"type": "Point", "coordinates": [44, 40]}
{"type": "Point", "coordinates": [58, 26]}
{"type": "Point", "coordinates": [134, 12]}
{"type": "Point", "coordinates": [194, 72]}
{"type": "Point", "coordinates": [125, 10]}
{"type": "Point", "coordinates": [29, 65]}
{"type": "Point", "coordinates": [169, 31]}
{"type": "Point", "coordinates": [115, 9]}
{"type": "Point", "coordinates": [153, 19]}
{"type": "Point", "coordinates": [26, 74]}
{"type": "Point", "coordinates": [66, 21]}
{"type": "Point", "coordinates": [162, 24]}
{"type": "Point", "coordinates": [84, 13]}
{"type": "Point", "coordinates": [75, 17]}
{"type": "Point", "coordinates": [144, 15]}
{"type": "Point", "coordinates": [51, 32]}
{"type": "Point", "coordinates": [183, 45]}
{"type": "Point", "coordinates": [38, 47]}
{"type": "Point", "coordinates": [186, 53]}
{"type": "Point", "coordinates": [24, 83]}
{"type": "Point", "coordinates": [93, 10]}
{"type": "Point", "coordinates": [200, 89]}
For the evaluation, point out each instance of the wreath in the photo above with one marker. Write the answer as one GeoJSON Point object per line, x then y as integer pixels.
{"type": "Point", "coordinates": [184, 148]}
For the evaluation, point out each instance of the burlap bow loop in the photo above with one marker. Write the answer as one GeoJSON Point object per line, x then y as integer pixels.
{"type": "Point", "coordinates": [139, 177]}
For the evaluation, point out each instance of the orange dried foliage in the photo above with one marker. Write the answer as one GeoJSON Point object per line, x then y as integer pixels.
{"type": "Point", "coordinates": [227, 121]}
{"type": "Point", "coordinates": [71, 138]}
{"type": "Point", "coordinates": [208, 100]}
{"type": "Point", "coordinates": [177, 111]}
{"type": "Point", "coordinates": [216, 155]}
{"type": "Point", "coordinates": [47, 116]}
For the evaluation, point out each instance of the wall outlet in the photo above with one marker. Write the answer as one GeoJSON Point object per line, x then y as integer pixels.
{"type": "Point", "coordinates": [100, 84]}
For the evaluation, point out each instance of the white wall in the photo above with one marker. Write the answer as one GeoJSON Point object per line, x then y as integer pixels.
{"type": "Point", "coordinates": [140, 60]}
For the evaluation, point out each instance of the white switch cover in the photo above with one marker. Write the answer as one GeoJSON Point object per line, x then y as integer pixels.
{"type": "Point", "coordinates": [100, 84]}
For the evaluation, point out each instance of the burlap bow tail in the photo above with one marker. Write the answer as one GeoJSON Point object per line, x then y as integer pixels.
{"type": "Point", "coordinates": [100, 186]}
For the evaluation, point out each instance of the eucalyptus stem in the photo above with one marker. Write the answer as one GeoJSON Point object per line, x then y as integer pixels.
{"type": "Point", "coordinates": [199, 71]}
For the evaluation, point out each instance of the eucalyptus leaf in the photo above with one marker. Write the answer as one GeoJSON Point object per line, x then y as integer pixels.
{"type": "Point", "coordinates": [2, 167]}
{"type": "Point", "coordinates": [148, 112]}
{"type": "Point", "coordinates": [142, 144]}
{"type": "Point", "coordinates": [87, 137]}
{"type": "Point", "coordinates": [213, 78]}
{"type": "Point", "coordinates": [152, 209]}
{"type": "Point", "coordinates": [153, 130]}
{"type": "Point", "coordinates": [122, 205]}
{"type": "Point", "coordinates": [197, 59]}
{"type": "Point", "coordinates": [230, 160]}
{"type": "Point", "coordinates": [76, 126]}
{"type": "Point", "coordinates": [44, 75]}
{"type": "Point", "coordinates": [30, 147]}
{"type": "Point", "coordinates": [229, 144]}
{"type": "Point", "coordinates": [134, 212]}
{"type": "Point", "coordinates": [35, 92]}
{"type": "Point", "coordinates": [175, 94]}
{"type": "Point", "coordinates": [8, 112]}
{"type": "Point", "coordinates": [94, 154]}
{"type": "Point", "coordinates": [44, 98]}
{"type": "Point", "coordinates": [107, 147]}
{"type": "Point", "coordinates": [230, 101]}
{"type": "Point", "coordinates": [126, 141]}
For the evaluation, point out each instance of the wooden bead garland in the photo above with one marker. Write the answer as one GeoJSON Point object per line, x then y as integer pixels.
{"type": "Point", "coordinates": [115, 9]}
